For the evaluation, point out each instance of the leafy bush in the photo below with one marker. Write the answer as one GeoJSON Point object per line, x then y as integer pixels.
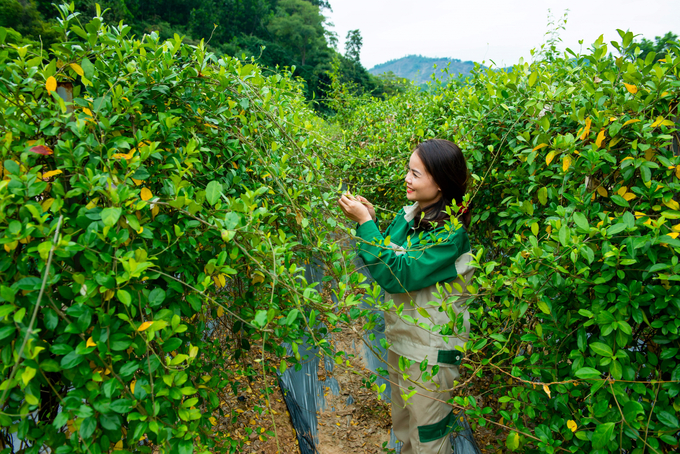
{"type": "Point", "coordinates": [575, 165]}
{"type": "Point", "coordinates": [175, 190]}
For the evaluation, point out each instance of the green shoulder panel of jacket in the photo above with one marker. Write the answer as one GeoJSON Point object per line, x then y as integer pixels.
{"type": "Point", "coordinates": [422, 264]}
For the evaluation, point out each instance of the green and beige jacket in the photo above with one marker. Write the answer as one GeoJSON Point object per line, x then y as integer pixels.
{"type": "Point", "coordinates": [409, 270]}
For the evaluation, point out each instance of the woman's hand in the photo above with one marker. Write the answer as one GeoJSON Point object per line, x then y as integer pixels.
{"type": "Point", "coordinates": [369, 206]}
{"type": "Point", "coordinates": [354, 209]}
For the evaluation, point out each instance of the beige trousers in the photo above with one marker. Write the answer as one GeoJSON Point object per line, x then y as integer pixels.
{"type": "Point", "coordinates": [421, 423]}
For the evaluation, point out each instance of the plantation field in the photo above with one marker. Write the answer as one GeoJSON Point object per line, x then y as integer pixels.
{"type": "Point", "coordinates": [161, 205]}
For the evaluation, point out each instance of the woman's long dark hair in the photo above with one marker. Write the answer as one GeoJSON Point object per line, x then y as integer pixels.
{"type": "Point", "coordinates": [444, 161]}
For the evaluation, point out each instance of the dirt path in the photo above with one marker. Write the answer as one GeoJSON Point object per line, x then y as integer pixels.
{"type": "Point", "coordinates": [354, 421]}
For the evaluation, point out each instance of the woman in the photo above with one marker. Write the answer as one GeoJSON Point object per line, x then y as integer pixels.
{"type": "Point", "coordinates": [422, 254]}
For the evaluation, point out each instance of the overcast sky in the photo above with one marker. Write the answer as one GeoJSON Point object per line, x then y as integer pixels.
{"type": "Point", "coordinates": [498, 30]}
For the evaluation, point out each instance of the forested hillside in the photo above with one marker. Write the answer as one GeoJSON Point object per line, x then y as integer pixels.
{"type": "Point", "coordinates": [420, 69]}
{"type": "Point", "coordinates": [277, 33]}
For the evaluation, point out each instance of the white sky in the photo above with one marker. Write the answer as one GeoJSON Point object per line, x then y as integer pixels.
{"type": "Point", "coordinates": [498, 30]}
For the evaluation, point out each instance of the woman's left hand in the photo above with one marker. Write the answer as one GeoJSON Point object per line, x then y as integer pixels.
{"type": "Point", "coordinates": [354, 209]}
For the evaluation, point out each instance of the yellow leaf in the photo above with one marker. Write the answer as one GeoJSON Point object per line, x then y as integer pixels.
{"type": "Point", "coordinates": [87, 111]}
{"type": "Point", "coordinates": [212, 420]}
{"type": "Point", "coordinates": [639, 214]}
{"type": "Point", "coordinates": [132, 386]}
{"type": "Point", "coordinates": [550, 157]}
{"type": "Point", "coordinates": [600, 138]}
{"type": "Point", "coordinates": [667, 123]}
{"type": "Point", "coordinates": [118, 446]}
{"type": "Point", "coordinates": [622, 190]}
{"type": "Point", "coordinates": [76, 67]}
{"type": "Point", "coordinates": [220, 311]}
{"type": "Point", "coordinates": [566, 163]}
{"type": "Point", "coordinates": [146, 194]}
{"type": "Point", "coordinates": [51, 173]}
{"type": "Point", "coordinates": [47, 204]}
{"type": "Point", "coordinates": [258, 278]}
{"type": "Point", "coordinates": [571, 425]}
{"type": "Point", "coordinates": [11, 246]}
{"type": "Point", "coordinates": [672, 204]}
{"type": "Point", "coordinates": [137, 182]}
{"type": "Point", "coordinates": [673, 234]}
{"type": "Point", "coordinates": [127, 157]}
{"type": "Point", "coordinates": [586, 130]}
{"type": "Point", "coordinates": [51, 84]}
{"type": "Point", "coordinates": [141, 229]}
{"type": "Point", "coordinates": [629, 196]}
{"type": "Point", "coordinates": [90, 343]}
{"type": "Point", "coordinates": [658, 121]}
{"type": "Point", "coordinates": [154, 211]}
{"type": "Point", "coordinates": [631, 122]}
{"type": "Point", "coordinates": [547, 390]}
{"type": "Point", "coordinates": [144, 326]}
{"type": "Point", "coordinates": [538, 147]}
{"type": "Point", "coordinates": [93, 203]}
{"type": "Point", "coordinates": [631, 88]}
{"type": "Point", "coordinates": [677, 171]}
{"type": "Point", "coordinates": [602, 191]}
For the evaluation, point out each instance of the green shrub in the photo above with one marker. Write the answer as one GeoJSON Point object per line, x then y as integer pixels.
{"type": "Point", "coordinates": [175, 190]}
{"type": "Point", "coordinates": [575, 165]}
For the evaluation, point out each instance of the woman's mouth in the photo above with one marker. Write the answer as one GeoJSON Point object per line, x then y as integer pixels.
{"type": "Point", "coordinates": [409, 190]}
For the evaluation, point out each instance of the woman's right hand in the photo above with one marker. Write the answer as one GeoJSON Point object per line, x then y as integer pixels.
{"type": "Point", "coordinates": [369, 206]}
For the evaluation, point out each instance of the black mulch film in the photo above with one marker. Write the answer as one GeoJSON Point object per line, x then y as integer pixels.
{"type": "Point", "coordinates": [300, 423]}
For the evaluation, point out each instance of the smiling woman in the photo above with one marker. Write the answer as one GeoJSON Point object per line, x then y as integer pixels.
{"type": "Point", "coordinates": [410, 270]}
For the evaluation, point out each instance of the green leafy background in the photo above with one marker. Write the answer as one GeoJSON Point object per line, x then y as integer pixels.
{"type": "Point", "coordinates": [180, 191]}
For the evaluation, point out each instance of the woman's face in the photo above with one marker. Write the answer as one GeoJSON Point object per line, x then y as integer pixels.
{"type": "Point", "coordinates": [420, 187]}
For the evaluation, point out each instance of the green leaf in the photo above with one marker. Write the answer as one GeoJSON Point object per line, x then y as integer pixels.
{"type": "Point", "coordinates": [564, 235]}
{"type": "Point", "coordinates": [87, 427]}
{"type": "Point", "coordinates": [213, 192]}
{"type": "Point", "coordinates": [631, 409]}
{"type": "Point", "coordinates": [602, 435]}
{"type": "Point", "coordinates": [121, 406]}
{"type": "Point", "coordinates": [543, 195]}
{"type": "Point", "coordinates": [617, 199]}
{"type": "Point", "coordinates": [588, 372]}
{"type": "Point", "coordinates": [512, 442]}
{"type": "Point", "coordinates": [186, 447]}
{"type": "Point", "coordinates": [171, 344]}
{"type": "Point", "coordinates": [124, 297]}
{"type": "Point", "coordinates": [532, 80]}
{"type": "Point", "coordinates": [292, 315]}
{"type": "Point", "coordinates": [6, 331]}
{"type": "Point", "coordinates": [71, 360]}
{"type": "Point", "coordinates": [129, 368]}
{"type": "Point", "coordinates": [602, 349]}
{"type": "Point", "coordinates": [110, 215]}
{"type": "Point", "coordinates": [581, 221]}
{"type": "Point", "coordinates": [668, 419]}
{"type": "Point", "coordinates": [88, 68]}
{"type": "Point", "coordinates": [260, 318]}
{"type": "Point", "coordinates": [156, 297]}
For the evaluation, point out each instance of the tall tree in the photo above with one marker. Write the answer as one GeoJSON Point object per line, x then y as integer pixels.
{"type": "Point", "coordinates": [659, 46]}
{"type": "Point", "coordinates": [299, 24]}
{"type": "Point", "coordinates": [353, 43]}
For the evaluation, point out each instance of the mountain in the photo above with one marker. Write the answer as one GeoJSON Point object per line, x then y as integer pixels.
{"type": "Point", "coordinates": [419, 68]}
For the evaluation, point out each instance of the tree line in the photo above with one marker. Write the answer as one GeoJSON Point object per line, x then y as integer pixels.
{"type": "Point", "coordinates": [278, 34]}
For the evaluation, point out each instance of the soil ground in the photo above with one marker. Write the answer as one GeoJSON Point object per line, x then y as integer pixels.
{"type": "Point", "coordinates": [362, 427]}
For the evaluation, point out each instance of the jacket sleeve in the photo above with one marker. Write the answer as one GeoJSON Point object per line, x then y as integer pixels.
{"type": "Point", "coordinates": [415, 268]}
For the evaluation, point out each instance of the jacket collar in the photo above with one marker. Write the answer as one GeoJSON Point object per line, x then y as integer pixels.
{"type": "Point", "coordinates": [410, 212]}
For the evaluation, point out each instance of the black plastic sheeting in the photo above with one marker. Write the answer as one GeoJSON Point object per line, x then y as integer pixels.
{"type": "Point", "coordinates": [304, 393]}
